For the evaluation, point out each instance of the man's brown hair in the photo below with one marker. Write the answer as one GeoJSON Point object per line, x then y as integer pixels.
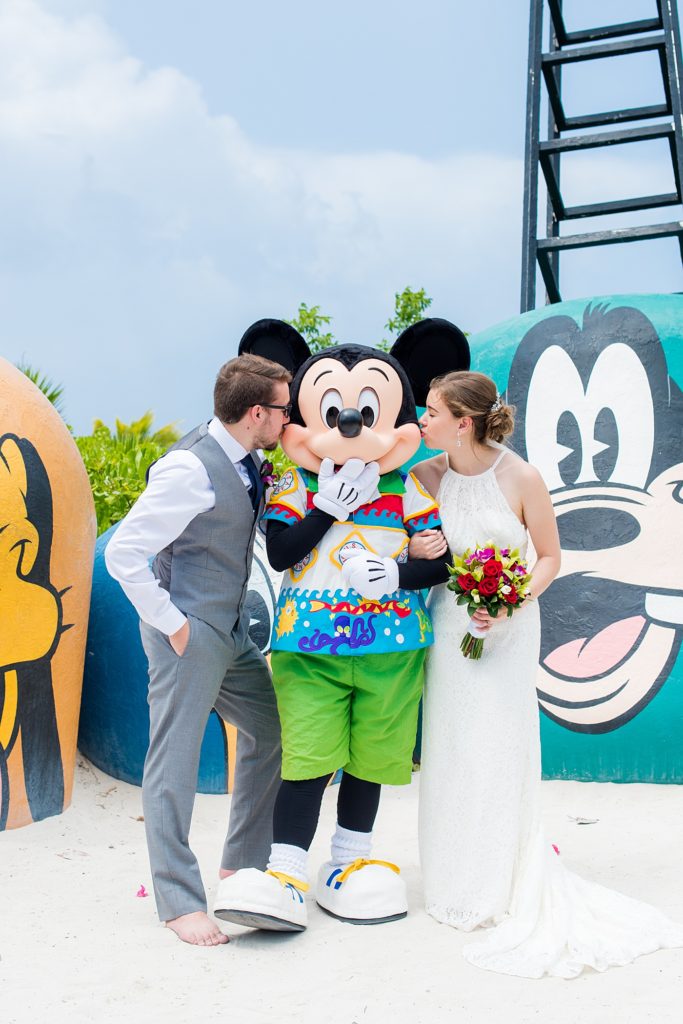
{"type": "Point", "coordinates": [245, 381]}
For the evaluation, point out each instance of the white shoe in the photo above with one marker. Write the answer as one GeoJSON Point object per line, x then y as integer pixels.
{"type": "Point", "coordinates": [262, 899]}
{"type": "Point", "coordinates": [364, 892]}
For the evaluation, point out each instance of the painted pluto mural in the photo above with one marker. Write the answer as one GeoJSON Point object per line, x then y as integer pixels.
{"type": "Point", "coordinates": [600, 413]}
{"type": "Point", "coordinates": [31, 615]}
{"type": "Point", "coordinates": [47, 532]}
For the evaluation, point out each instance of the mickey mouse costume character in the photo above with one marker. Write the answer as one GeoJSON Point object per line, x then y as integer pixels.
{"type": "Point", "coordinates": [351, 628]}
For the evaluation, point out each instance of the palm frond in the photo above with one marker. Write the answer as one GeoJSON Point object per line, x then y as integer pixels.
{"type": "Point", "coordinates": [52, 391]}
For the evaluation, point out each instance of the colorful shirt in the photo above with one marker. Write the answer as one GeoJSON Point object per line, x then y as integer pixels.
{"type": "Point", "coordinates": [316, 612]}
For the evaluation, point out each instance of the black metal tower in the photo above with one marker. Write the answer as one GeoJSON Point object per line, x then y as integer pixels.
{"type": "Point", "coordinates": [660, 34]}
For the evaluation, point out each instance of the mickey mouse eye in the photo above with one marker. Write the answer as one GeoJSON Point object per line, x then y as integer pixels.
{"type": "Point", "coordinates": [368, 403]}
{"type": "Point", "coordinates": [330, 406]}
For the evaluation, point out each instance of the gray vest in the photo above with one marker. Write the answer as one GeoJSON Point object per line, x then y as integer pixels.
{"type": "Point", "coordinates": [206, 568]}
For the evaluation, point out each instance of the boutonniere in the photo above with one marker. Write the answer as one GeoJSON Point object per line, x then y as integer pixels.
{"type": "Point", "coordinates": [267, 473]}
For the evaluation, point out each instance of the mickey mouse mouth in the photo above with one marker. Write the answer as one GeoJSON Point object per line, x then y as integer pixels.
{"type": "Point", "coordinates": [591, 626]}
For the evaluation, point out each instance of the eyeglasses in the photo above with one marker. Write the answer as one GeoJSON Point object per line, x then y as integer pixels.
{"type": "Point", "coordinates": [286, 409]}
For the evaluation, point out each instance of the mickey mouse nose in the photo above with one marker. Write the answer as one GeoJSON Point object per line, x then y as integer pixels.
{"type": "Point", "coordinates": [349, 422]}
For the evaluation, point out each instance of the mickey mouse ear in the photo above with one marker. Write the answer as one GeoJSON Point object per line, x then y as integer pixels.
{"type": "Point", "coordinates": [429, 348]}
{"type": "Point", "coordinates": [277, 341]}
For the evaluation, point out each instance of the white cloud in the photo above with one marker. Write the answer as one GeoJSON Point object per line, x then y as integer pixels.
{"type": "Point", "coordinates": [143, 234]}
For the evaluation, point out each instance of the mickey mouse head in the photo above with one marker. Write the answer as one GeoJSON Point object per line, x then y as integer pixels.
{"type": "Point", "coordinates": [352, 401]}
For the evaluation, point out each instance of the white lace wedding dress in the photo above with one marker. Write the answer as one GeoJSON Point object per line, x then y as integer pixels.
{"type": "Point", "coordinates": [484, 857]}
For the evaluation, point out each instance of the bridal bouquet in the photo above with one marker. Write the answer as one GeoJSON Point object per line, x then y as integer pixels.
{"type": "Point", "coordinates": [489, 577]}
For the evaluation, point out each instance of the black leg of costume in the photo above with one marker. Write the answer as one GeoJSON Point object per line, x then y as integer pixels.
{"type": "Point", "coordinates": [357, 803]}
{"type": "Point", "coordinates": [297, 809]}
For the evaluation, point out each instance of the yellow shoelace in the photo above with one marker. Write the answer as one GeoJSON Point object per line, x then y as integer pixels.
{"type": "Point", "coordinates": [284, 879]}
{"type": "Point", "coordinates": [361, 862]}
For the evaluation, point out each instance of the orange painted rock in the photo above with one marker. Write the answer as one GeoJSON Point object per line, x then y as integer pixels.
{"type": "Point", "coordinates": [47, 537]}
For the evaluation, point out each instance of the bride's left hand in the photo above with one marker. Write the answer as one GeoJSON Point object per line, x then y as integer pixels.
{"type": "Point", "coordinates": [483, 620]}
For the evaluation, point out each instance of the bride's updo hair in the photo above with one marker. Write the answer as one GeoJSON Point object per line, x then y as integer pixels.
{"type": "Point", "coordinates": [474, 394]}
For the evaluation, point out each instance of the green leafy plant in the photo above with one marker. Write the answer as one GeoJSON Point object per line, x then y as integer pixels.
{"type": "Point", "coordinates": [117, 463]}
{"type": "Point", "coordinates": [308, 322]}
{"type": "Point", "coordinates": [53, 392]}
{"type": "Point", "coordinates": [281, 462]}
{"type": "Point", "coordinates": [141, 430]}
{"type": "Point", "coordinates": [409, 307]}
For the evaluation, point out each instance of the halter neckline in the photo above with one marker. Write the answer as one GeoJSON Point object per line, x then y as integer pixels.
{"type": "Point", "coordinates": [477, 476]}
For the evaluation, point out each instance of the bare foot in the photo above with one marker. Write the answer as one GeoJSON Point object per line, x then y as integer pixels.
{"type": "Point", "coordinates": [225, 873]}
{"type": "Point", "coordinates": [198, 929]}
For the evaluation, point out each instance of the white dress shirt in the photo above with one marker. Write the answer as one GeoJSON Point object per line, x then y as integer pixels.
{"type": "Point", "coordinates": [178, 489]}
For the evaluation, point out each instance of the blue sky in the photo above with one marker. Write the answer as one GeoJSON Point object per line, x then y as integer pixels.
{"type": "Point", "coordinates": [174, 170]}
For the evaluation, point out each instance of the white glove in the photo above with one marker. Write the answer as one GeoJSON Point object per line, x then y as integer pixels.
{"type": "Point", "coordinates": [341, 493]}
{"type": "Point", "coordinates": [370, 575]}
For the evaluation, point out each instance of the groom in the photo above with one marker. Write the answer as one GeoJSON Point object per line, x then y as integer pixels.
{"type": "Point", "coordinates": [197, 519]}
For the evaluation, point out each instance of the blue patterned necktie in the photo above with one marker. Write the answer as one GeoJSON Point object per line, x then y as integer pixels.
{"type": "Point", "coordinates": [256, 489]}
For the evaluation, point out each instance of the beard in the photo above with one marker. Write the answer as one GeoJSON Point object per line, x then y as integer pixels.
{"type": "Point", "coordinates": [267, 441]}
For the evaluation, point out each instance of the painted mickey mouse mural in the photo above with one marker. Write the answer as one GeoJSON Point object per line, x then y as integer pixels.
{"type": "Point", "coordinates": [600, 414]}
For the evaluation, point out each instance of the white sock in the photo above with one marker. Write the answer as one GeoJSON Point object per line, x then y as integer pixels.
{"type": "Point", "coordinates": [290, 860]}
{"type": "Point", "coordinates": [348, 846]}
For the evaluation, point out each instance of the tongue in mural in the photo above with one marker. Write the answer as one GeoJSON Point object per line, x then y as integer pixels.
{"type": "Point", "coordinates": [588, 658]}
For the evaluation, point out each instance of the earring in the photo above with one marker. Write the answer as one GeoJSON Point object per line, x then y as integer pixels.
{"type": "Point", "coordinates": [458, 442]}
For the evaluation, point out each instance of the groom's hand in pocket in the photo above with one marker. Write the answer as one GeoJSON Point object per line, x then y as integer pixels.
{"type": "Point", "coordinates": [180, 639]}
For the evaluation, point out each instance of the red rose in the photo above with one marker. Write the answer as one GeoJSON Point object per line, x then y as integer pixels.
{"type": "Point", "coordinates": [512, 597]}
{"type": "Point", "coordinates": [467, 582]}
{"type": "Point", "coordinates": [492, 567]}
{"type": "Point", "coordinates": [488, 586]}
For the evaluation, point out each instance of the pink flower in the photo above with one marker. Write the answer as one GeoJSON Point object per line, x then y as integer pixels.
{"type": "Point", "coordinates": [556, 849]}
{"type": "Point", "coordinates": [142, 891]}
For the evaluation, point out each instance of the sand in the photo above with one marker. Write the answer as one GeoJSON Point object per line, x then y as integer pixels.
{"type": "Point", "coordinates": [77, 943]}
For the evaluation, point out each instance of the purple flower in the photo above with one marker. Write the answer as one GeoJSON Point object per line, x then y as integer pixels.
{"type": "Point", "coordinates": [485, 553]}
{"type": "Point", "coordinates": [267, 473]}
{"type": "Point", "coordinates": [504, 552]}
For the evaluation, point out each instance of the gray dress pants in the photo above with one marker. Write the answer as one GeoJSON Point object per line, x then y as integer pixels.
{"type": "Point", "coordinates": [233, 676]}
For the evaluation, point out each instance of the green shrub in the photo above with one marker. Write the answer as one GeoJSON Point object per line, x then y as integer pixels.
{"type": "Point", "coordinates": [53, 392]}
{"type": "Point", "coordinates": [281, 462]}
{"type": "Point", "coordinates": [308, 322]}
{"type": "Point", "coordinates": [117, 463]}
{"type": "Point", "coordinates": [117, 470]}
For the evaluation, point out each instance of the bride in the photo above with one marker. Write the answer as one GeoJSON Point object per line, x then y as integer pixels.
{"type": "Point", "coordinates": [484, 858]}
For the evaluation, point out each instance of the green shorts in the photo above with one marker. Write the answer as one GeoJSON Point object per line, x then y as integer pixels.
{"type": "Point", "coordinates": [359, 714]}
